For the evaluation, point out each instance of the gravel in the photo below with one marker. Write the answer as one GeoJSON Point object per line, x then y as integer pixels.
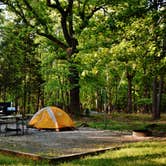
{"type": "Point", "coordinates": [55, 144]}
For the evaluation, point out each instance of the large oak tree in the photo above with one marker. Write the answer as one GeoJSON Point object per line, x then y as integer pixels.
{"type": "Point", "coordinates": [62, 22]}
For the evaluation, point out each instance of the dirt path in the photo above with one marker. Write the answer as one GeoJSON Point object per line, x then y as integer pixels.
{"type": "Point", "coordinates": [55, 144]}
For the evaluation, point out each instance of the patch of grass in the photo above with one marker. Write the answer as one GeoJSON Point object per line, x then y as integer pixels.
{"type": "Point", "coordinates": [122, 121]}
{"type": "Point", "coordinates": [6, 160]}
{"type": "Point", "coordinates": [148, 153]}
{"type": "Point", "coordinates": [139, 154]}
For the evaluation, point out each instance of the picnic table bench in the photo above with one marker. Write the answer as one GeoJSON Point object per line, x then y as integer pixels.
{"type": "Point", "coordinates": [18, 122]}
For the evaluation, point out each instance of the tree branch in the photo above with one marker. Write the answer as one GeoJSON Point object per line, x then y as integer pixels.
{"type": "Point", "coordinates": [86, 18]}
{"type": "Point", "coordinates": [69, 10]}
{"type": "Point", "coordinates": [54, 39]}
{"type": "Point", "coordinates": [64, 15]}
{"type": "Point", "coordinates": [17, 10]}
{"type": "Point", "coordinates": [95, 9]}
{"type": "Point", "coordinates": [67, 24]}
{"type": "Point", "coordinates": [56, 5]}
{"type": "Point", "coordinates": [82, 12]}
{"type": "Point", "coordinates": [65, 30]}
{"type": "Point", "coordinates": [21, 13]}
{"type": "Point", "coordinates": [38, 18]}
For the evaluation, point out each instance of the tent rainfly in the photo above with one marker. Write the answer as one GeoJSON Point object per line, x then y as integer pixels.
{"type": "Point", "coordinates": [51, 118]}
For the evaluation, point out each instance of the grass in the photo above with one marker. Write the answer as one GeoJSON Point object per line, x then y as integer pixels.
{"type": "Point", "coordinates": [139, 154]}
{"type": "Point", "coordinates": [121, 121]}
{"type": "Point", "coordinates": [149, 153]}
{"type": "Point", "coordinates": [17, 161]}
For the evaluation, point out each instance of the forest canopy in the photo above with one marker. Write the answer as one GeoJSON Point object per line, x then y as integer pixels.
{"type": "Point", "coordinates": [98, 55]}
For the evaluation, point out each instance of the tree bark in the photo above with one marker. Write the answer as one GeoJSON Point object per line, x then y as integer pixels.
{"type": "Point", "coordinates": [146, 94]}
{"type": "Point", "coordinates": [155, 111]}
{"type": "Point", "coordinates": [159, 96]}
{"type": "Point", "coordinates": [74, 106]}
{"type": "Point", "coordinates": [129, 93]}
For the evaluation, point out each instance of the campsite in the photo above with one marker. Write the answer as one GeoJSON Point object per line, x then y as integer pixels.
{"type": "Point", "coordinates": [47, 147]}
{"type": "Point", "coordinates": [83, 82]}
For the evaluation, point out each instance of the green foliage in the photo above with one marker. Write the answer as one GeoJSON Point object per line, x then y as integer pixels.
{"type": "Point", "coordinates": [20, 62]}
{"type": "Point", "coordinates": [144, 101]}
{"type": "Point", "coordinates": [114, 37]}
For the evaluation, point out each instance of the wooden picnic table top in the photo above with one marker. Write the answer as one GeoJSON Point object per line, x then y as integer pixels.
{"type": "Point", "coordinates": [3, 122]}
{"type": "Point", "coordinates": [10, 117]}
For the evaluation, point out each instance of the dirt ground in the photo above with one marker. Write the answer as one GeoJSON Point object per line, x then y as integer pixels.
{"type": "Point", "coordinates": [56, 144]}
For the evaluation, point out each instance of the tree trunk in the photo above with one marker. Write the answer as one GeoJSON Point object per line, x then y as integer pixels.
{"type": "Point", "coordinates": [38, 102]}
{"type": "Point", "coordinates": [99, 100]}
{"type": "Point", "coordinates": [129, 93]}
{"type": "Point", "coordinates": [155, 111]}
{"type": "Point", "coordinates": [28, 101]}
{"type": "Point", "coordinates": [74, 90]}
{"type": "Point", "coordinates": [24, 99]}
{"type": "Point", "coordinates": [146, 94]}
{"type": "Point", "coordinates": [159, 96]}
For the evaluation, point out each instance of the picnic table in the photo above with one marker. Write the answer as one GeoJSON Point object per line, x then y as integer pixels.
{"type": "Point", "coordinates": [17, 122]}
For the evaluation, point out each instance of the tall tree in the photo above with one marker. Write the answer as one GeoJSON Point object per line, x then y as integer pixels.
{"type": "Point", "coordinates": [61, 22]}
{"type": "Point", "coordinates": [19, 66]}
{"type": "Point", "coordinates": [158, 37]}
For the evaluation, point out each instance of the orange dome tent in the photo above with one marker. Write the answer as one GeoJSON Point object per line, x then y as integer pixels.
{"type": "Point", "coordinates": [51, 118]}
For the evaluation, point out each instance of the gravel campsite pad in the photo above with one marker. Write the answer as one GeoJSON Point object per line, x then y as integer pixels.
{"type": "Point", "coordinates": [55, 144]}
